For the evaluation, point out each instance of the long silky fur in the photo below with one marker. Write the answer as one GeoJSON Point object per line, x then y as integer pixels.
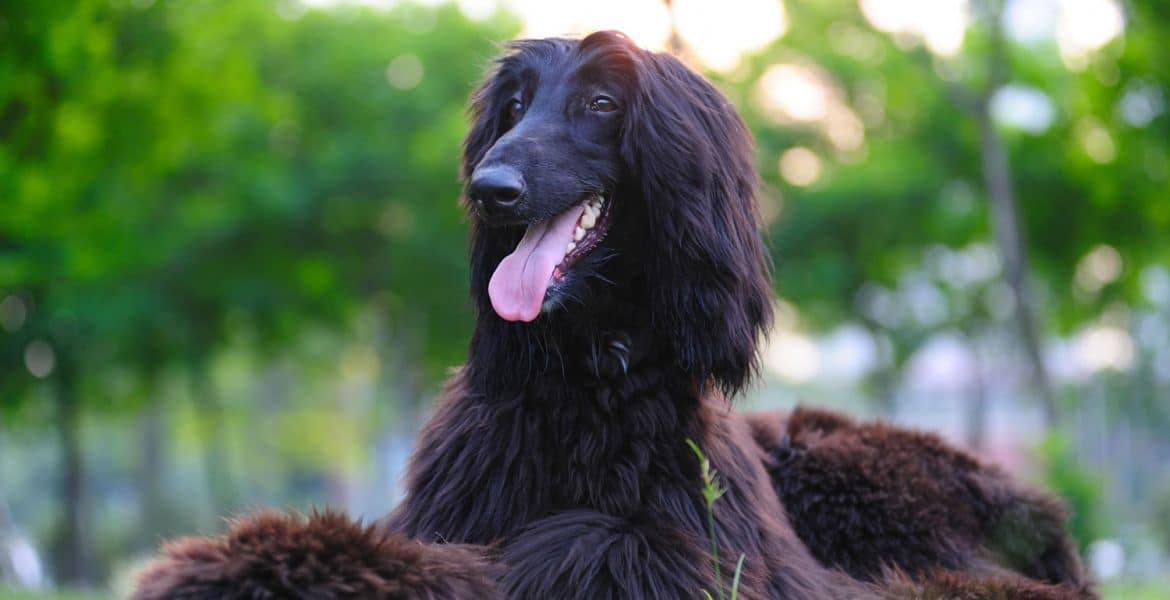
{"type": "Point", "coordinates": [556, 464]}
{"type": "Point", "coordinates": [546, 417]}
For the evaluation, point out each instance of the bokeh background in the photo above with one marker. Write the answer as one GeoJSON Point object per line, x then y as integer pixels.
{"type": "Point", "coordinates": [232, 262]}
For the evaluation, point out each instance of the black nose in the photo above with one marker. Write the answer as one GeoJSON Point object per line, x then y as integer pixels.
{"type": "Point", "coordinates": [496, 188]}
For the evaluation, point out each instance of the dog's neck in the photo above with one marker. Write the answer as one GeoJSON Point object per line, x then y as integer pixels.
{"type": "Point", "coordinates": [584, 350]}
{"type": "Point", "coordinates": [561, 392]}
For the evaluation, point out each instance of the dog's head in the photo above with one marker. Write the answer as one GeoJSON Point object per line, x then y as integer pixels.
{"type": "Point", "coordinates": [600, 173]}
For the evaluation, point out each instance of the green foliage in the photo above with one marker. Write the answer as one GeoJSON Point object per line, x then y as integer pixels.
{"type": "Point", "coordinates": [878, 212]}
{"type": "Point", "coordinates": [186, 179]}
{"type": "Point", "coordinates": [182, 174]}
{"type": "Point", "coordinates": [167, 193]}
{"type": "Point", "coordinates": [1063, 472]}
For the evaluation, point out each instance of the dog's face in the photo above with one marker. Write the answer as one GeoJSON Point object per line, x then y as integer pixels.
{"type": "Point", "coordinates": [553, 169]}
{"type": "Point", "coordinates": [598, 173]}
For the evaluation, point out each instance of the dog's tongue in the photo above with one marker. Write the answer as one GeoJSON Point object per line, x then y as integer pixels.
{"type": "Point", "coordinates": [518, 285]}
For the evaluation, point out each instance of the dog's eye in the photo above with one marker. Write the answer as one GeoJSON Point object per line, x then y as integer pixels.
{"type": "Point", "coordinates": [602, 104]}
{"type": "Point", "coordinates": [515, 107]}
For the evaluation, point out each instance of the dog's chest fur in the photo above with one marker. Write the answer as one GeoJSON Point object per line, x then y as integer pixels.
{"type": "Point", "coordinates": [608, 441]}
{"type": "Point", "coordinates": [488, 465]}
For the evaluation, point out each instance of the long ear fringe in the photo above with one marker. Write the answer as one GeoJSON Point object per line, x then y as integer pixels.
{"type": "Point", "coordinates": [485, 123]}
{"type": "Point", "coordinates": [709, 275]}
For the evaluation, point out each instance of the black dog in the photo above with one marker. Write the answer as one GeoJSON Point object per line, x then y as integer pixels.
{"type": "Point", "coordinates": [622, 288]}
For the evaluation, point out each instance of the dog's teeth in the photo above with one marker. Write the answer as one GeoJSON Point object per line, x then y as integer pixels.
{"type": "Point", "coordinates": [570, 247]}
{"type": "Point", "coordinates": [578, 233]}
{"type": "Point", "coordinates": [588, 219]}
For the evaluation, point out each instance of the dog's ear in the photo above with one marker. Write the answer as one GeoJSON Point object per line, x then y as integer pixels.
{"type": "Point", "coordinates": [709, 275]}
{"type": "Point", "coordinates": [486, 122]}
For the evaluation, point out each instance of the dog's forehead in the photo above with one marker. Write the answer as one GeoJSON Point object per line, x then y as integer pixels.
{"type": "Point", "coordinates": [554, 62]}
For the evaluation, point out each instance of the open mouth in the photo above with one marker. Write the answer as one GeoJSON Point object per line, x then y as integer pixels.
{"type": "Point", "coordinates": [590, 229]}
{"type": "Point", "coordinates": [547, 252]}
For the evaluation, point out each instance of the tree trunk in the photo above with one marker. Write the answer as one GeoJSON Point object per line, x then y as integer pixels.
{"type": "Point", "coordinates": [1005, 219]}
{"type": "Point", "coordinates": [883, 381]}
{"type": "Point", "coordinates": [7, 530]}
{"type": "Point", "coordinates": [155, 514]}
{"type": "Point", "coordinates": [221, 483]}
{"type": "Point", "coordinates": [978, 402]}
{"type": "Point", "coordinates": [997, 178]}
{"type": "Point", "coordinates": [400, 403]}
{"type": "Point", "coordinates": [71, 553]}
{"type": "Point", "coordinates": [674, 42]}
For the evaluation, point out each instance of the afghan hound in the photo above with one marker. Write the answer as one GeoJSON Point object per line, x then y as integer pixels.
{"type": "Point", "coordinates": [622, 288]}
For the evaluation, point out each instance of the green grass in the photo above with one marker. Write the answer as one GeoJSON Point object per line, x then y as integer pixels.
{"type": "Point", "coordinates": [11, 595]}
{"type": "Point", "coordinates": [712, 492]}
{"type": "Point", "coordinates": [1137, 591]}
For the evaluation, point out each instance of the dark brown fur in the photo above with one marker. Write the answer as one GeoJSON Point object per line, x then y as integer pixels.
{"type": "Point", "coordinates": [943, 585]}
{"type": "Point", "coordinates": [906, 499]}
{"type": "Point", "coordinates": [325, 556]}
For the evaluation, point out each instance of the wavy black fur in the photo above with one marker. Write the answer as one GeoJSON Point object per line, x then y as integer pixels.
{"type": "Point", "coordinates": [685, 261]}
{"type": "Point", "coordinates": [587, 408]}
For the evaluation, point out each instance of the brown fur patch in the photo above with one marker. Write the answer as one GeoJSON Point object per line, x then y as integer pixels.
{"type": "Point", "coordinates": [869, 496]}
{"type": "Point", "coordinates": [326, 556]}
{"type": "Point", "coordinates": [964, 586]}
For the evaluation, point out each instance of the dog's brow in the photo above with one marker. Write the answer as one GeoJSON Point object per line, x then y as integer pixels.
{"type": "Point", "coordinates": [592, 72]}
{"type": "Point", "coordinates": [604, 69]}
{"type": "Point", "coordinates": [529, 77]}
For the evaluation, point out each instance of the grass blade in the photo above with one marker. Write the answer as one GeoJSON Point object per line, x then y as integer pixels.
{"type": "Point", "coordinates": [735, 580]}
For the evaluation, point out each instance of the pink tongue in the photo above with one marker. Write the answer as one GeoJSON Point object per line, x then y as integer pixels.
{"type": "Point", "coordinates": [518, 285]}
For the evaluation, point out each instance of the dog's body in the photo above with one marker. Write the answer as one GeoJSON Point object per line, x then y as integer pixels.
{"type": "Point", "coordinates": [601, 495]}
{"type": "Point", "coordinates": [622, 287]}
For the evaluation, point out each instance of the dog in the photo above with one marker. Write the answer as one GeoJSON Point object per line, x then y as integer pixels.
{"type": "Point", "coordinates": [622, 288]}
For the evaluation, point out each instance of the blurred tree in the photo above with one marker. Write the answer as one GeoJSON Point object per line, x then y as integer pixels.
{"type": "Point", "coordinates": [1080, 487]}
{"type": "Point", "coordinates": [881, 189]}
{"type": "Point", "coordinates": [182, 174]}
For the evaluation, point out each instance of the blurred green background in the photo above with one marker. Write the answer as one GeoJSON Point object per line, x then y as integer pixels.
{"type": "Point", "coordinates": [232, 262]}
